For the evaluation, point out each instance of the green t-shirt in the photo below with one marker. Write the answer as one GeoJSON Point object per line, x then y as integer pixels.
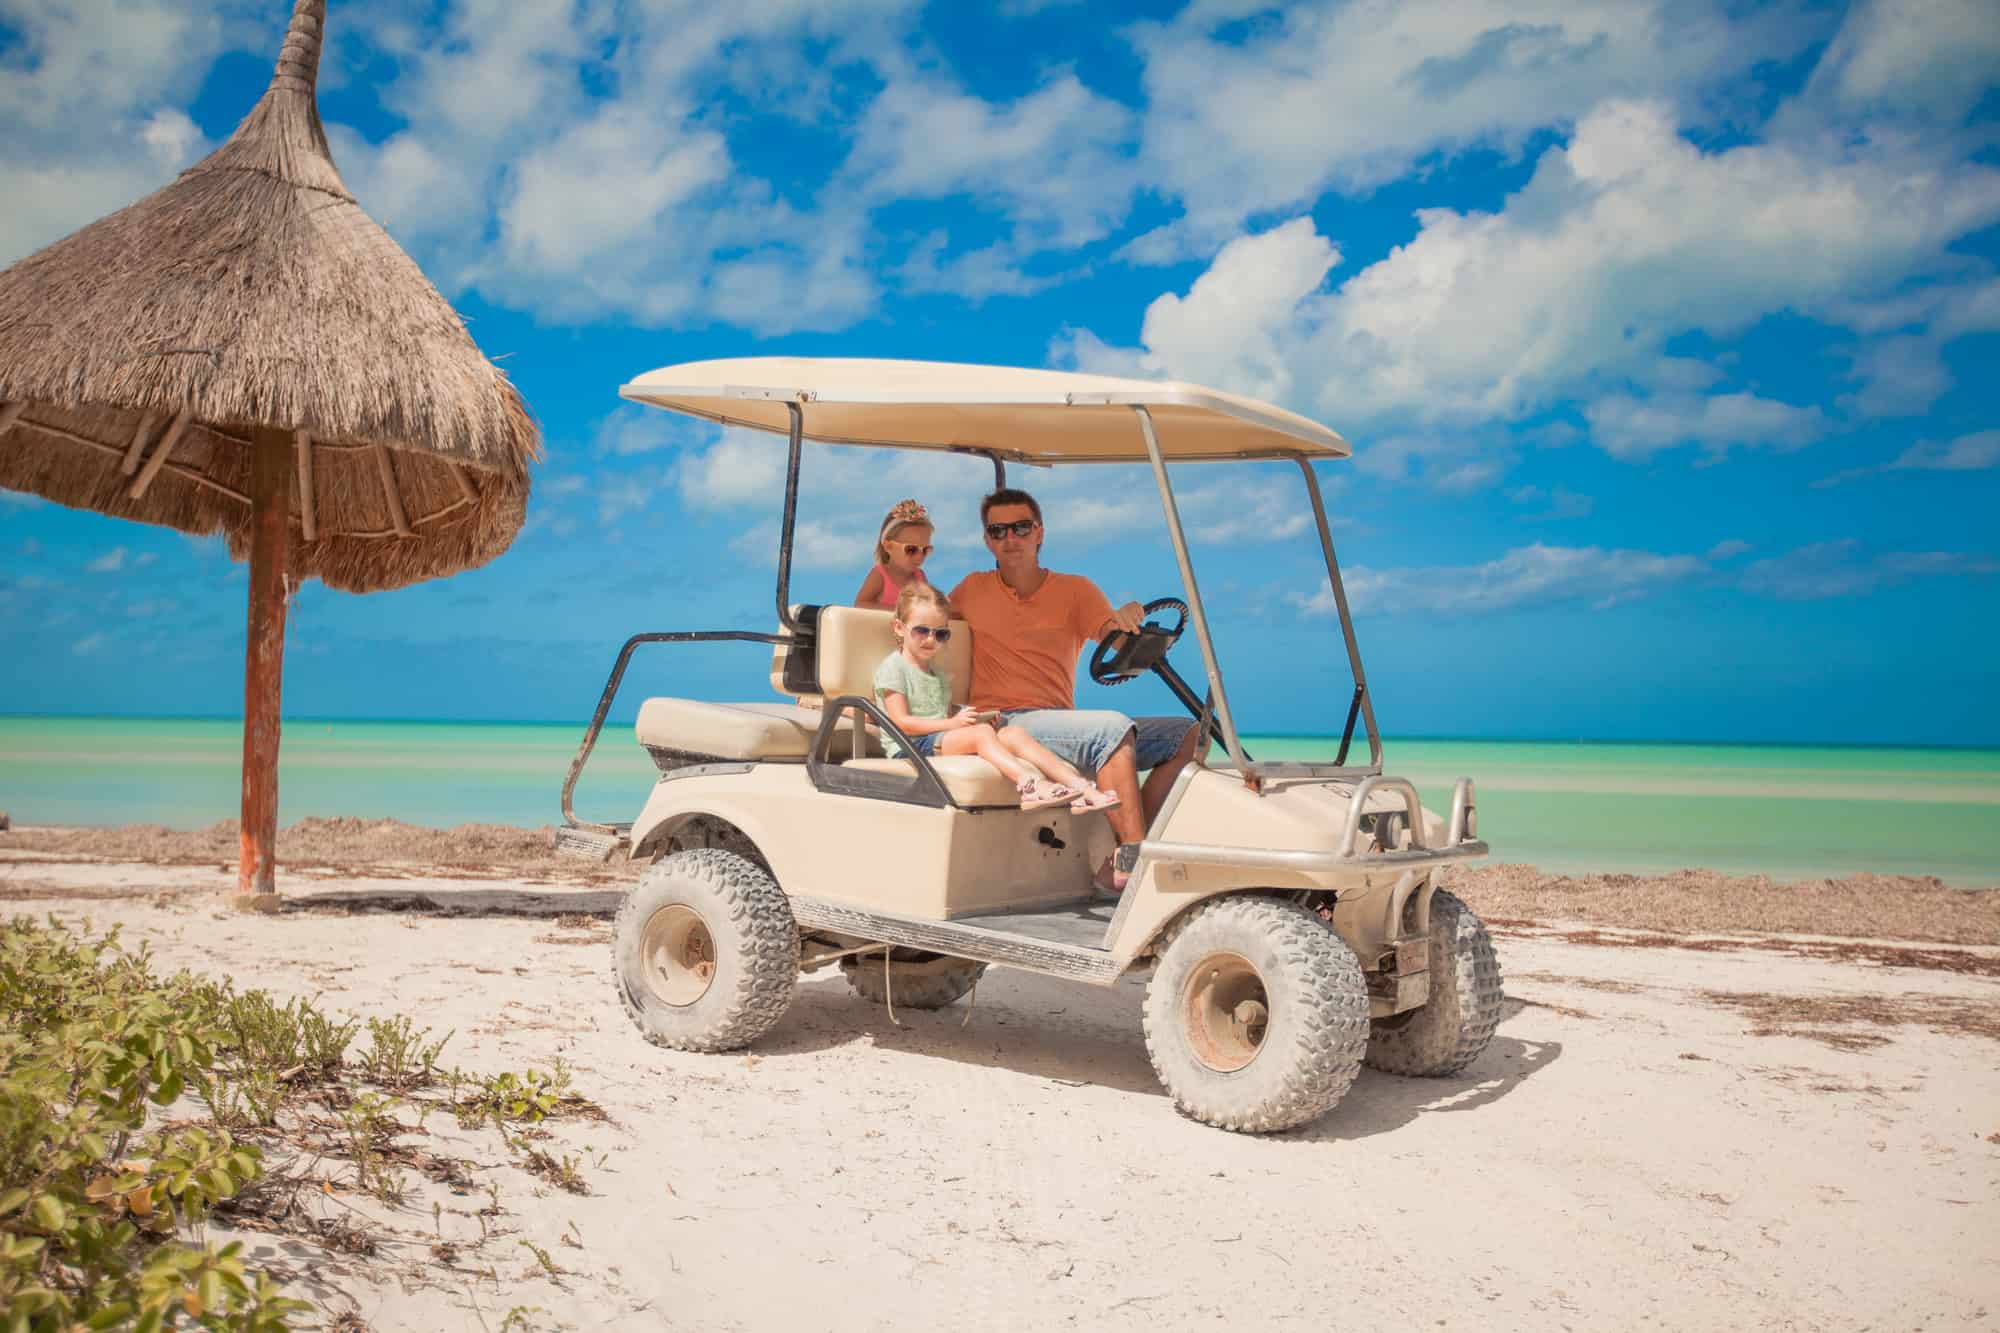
{"type": "Point", "coordinates": [927, 692]}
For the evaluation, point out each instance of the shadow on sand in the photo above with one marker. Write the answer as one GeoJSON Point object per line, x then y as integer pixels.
{"type": "Point", "coordinates": [1074, 1034]}
{"type": "Point", "coordinates": [459, 901]}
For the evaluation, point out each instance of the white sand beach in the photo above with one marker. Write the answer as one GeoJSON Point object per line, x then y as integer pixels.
{"type": "Point", "coordinates": [1729, 1130]}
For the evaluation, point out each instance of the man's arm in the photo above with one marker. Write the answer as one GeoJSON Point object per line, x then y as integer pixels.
{"type": "Point", "coordinates": [1096, 617]}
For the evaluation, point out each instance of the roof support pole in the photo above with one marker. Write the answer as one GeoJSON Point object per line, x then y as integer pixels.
{"type": "Point", "coordinates": [1361, 699]}
{"type": "Point", "coordinates": [397, 517]}
{"type": "Point", "coordinates": [302, 445]}
{"type": "Point", "coordinates": [464, 480]}
{"type": "Point", "coordinates": [1230, 740]}
{"type": "Point", "coordinates": [130, 463]}
{"type": "Point", "coordinates": [791, 516]}
{"type": "Point", "coordinates": [9, 414]}
{"type": "Point", "coordinates": [271, 469]}
{"type": "Point", "coordinates": [159, 458]}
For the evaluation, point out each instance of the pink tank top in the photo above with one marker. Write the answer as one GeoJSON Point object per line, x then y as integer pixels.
{"type": "Point", "coordinates": [891, 590]}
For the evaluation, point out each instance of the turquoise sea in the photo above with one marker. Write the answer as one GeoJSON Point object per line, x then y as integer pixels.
{"type": "Point", "coordinates": [1565, 806]}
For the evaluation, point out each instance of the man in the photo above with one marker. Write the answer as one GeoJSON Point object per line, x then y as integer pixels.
{"type": "Point", "coordinates": [1028, 625]}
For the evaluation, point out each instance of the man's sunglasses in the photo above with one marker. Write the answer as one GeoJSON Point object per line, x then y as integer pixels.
{"type": "Point", "coordinates": [914, 551]}
{"type": "Point", "coordinates": [926, 632]}
{"type": "Point", "coordinates": [1020, 527]}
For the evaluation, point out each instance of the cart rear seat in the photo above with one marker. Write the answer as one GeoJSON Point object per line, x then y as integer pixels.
{"type": "Point", "coordinates": [852, 643]}
{"type": "Point", "coordinates": [727, 731]}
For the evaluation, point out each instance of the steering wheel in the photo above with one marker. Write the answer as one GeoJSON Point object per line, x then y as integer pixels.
{"type": "Point", "coordinates": [1121, 656]}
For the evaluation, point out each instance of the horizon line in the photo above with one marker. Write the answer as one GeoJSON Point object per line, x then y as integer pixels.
{"type": "Point", "coordinates": [1248, 734]}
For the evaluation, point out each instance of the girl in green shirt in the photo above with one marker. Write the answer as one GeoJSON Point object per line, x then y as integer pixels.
{"type": "Point", "coordinates": [917, 698]}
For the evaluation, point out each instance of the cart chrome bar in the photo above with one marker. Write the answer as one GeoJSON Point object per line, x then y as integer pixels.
{"type": "Point", "coordinates": [1194, 854]}
{"type": "Point", "coordinates": [1361, 699]}
{"type": "Point", "coordinates": [791, 514]}
{"type": "Point", "coordinates": [611, 691]}
{"type": "Point", "coordinates": [1230, 740]}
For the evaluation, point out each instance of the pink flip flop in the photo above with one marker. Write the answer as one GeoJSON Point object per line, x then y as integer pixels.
{"type": "Point", "coordinates": [1094, 799]}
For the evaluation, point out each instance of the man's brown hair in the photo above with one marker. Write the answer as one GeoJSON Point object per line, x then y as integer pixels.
{"type": "Point", "coordinates": [1007, 495]}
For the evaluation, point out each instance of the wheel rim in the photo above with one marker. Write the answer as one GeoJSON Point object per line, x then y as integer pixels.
{"type": "Point", "coordinates": [1225, 1011]}
{"type": "Point", "coordinates": [677, 956]}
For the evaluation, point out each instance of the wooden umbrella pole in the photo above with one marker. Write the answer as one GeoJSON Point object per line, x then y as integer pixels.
{"type": "Point", "coordinates": [271, 470]}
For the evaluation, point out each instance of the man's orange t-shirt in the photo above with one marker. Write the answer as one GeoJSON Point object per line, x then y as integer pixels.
{"type": "Point", "coordinates": [1024, 649]}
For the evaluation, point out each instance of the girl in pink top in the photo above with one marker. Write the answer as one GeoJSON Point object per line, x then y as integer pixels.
{"type": "Point", "coordinates": [900, 551]}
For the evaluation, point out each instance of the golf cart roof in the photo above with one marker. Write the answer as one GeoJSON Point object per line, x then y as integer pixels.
{"type": "Point", "coordinates": [1029, 416]}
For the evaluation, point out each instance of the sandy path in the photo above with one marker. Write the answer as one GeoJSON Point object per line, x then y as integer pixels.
{"type": "Point", "coordinates": [1627, 1151]}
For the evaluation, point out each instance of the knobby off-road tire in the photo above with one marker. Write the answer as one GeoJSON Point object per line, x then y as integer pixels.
{"type": "Point", "coordinates": [1226, 958]}
{"type": "Point", "coordinates": [706, 951]}
{"type": "Point", "coordinates": [1457, 1021]}
{"type": "Point", "coordinates": [931, 984]}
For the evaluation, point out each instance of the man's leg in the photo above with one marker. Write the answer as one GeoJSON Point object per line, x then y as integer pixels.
{"type": "Point", "coordinates": [1099, 743]}
{"type": "Point", "coordinates": [1165, 745]}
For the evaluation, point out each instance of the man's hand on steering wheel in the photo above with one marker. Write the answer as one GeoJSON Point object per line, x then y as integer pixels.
{"type": "Point", "coordinates": [1130, 650]}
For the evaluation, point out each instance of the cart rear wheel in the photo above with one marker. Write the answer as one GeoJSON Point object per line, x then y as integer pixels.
{"type": "Point", "coordinates": [1257, 1015]}
{"type": "Point", "coordinates": [920, 981]}
{"type": "Point", "coordinates": [1455, 1024]}
{"type": "Point", "coordinates": [706, 951]}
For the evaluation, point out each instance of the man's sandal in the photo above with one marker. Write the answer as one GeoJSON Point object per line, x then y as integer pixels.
{"type": "Point", "coordinates": [1116, 872]}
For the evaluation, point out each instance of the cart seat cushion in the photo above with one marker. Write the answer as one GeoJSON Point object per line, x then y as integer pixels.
{"type": "Point", "coordinates": [969, 779]}
{"type": "Point", "coordinates": [853, 641]}
{"type": "Point", "coordinates": [727, 731]}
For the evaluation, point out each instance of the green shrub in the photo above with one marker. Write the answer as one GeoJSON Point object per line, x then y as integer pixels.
{"type": "Point", "coordinates": [93, 1205]}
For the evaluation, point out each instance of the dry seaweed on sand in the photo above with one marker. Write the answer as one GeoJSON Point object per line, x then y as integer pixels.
{"type": "Point", "coordinates": [1692, 902]}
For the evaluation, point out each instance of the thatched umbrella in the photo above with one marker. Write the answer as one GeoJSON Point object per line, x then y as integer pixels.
{"type": "Point", "coordinates": [247, 352]}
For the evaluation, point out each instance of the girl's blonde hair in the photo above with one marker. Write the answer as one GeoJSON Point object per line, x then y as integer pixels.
{"type": "Point", "coordinates": [913, 593]}
{"type": "Point", "coordinates": [906, 514]}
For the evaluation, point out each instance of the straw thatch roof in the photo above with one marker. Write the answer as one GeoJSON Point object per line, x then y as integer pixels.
{"type": "Point", "coordinates": [143, 353]}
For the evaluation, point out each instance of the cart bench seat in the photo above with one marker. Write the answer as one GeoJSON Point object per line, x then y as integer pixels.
{"type": "Point", "coordinates": [969, 779]}
{"type": "Point", "coordinates": [728, 731]}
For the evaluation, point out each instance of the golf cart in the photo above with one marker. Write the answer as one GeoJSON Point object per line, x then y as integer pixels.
{"type": "Point", "coordinates": [1290, 913]}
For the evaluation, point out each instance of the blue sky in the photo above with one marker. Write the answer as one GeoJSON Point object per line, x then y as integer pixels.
{"type": "Point", "coordinates": [1665, 334]}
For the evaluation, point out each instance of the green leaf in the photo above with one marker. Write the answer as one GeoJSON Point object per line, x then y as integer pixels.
{"type": "Point", "coordinates": [12, 1199]}
{"type": "Point", "coordinates": [49, 1213]}
{"type": "Point", "coordinates": [169, 1089]}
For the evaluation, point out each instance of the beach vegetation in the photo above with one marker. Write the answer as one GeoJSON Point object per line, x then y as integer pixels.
{"type": "Point", "coordinates": [399, 1054]}
{"type": "Point", "coordinates": [100, 1213]}
{"type": "Point", "coordinates": [111, 1178]}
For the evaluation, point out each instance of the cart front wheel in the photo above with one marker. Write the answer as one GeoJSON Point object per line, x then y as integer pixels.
{"type": "Point", "coordinates": [1257, 1015]}
{"type": "Point", "coordinates": [706, 951]}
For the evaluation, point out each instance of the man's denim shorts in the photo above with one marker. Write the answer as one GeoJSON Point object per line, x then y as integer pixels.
{"type": "Point", "coordinates": [1087, 736]}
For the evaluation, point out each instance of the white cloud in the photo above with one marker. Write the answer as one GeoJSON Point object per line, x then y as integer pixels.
{"type": "Point", "coordinates": [619, 495]}
{"type": "Point", "coordinates": [1625, 237]}
{"type": "Point", "coordinates": [1930, 59]}
{"type": "Point", "coordinates": [1350, 96]}
{"type": "Point", "coordinates": [1968, 453]}
{"type": "Point", "coordinates": [1900, 376]}
{"type": "Point", "coordinates": [87, 645]}
{"type": "Point", "coordinates": [1841, 569]}
{"type": "Point", "coordinates": [1053, 162]}
{"type": "Point", "coordinates": [110, 562]}
{"type": "Point", "coordinates": [1728, 550]}
{"type": "Point", "coordinates": [1636, 428]}
{"type": "Point", "coordinates": [90, 101]}
{"type": "Point", "coordinates": [1557, 503]}
{"type": "Point", "coordinates": [1534, 575]}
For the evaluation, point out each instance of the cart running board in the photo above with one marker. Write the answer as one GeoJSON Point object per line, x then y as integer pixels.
{"type": "Point", "coordinates": [592, 843]}
{"type": "Point", "coordinates": [978, 941]}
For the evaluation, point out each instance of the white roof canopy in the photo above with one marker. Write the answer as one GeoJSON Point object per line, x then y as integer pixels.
{"type": "Point", "coordinates": [1032, 416]}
